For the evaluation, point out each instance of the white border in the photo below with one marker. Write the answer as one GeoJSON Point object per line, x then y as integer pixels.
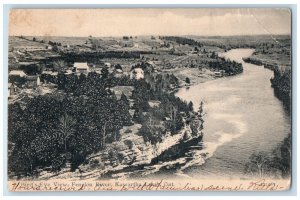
{"type": "Point", "coordinates": [144, 3]}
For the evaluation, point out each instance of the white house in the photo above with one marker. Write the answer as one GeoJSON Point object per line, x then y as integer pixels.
{"type": "Point", "coordinates": [137, 73]}
{"type": "Point", "coordinates": [81, 67]}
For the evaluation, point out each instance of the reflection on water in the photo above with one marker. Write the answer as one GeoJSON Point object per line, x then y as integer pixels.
{"type": "Point", "coordinates": [243, 116]}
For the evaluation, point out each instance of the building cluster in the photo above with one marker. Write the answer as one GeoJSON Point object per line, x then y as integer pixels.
{"type": "Point", "coordinates": [19, 80]}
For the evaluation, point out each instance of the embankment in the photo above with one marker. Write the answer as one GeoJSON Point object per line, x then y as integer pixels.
{"type": "Point", "coordinates": [281, 82]}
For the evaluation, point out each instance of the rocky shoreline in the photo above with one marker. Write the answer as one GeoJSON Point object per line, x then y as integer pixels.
{"type": "Point", "coordinates": [136, 154]}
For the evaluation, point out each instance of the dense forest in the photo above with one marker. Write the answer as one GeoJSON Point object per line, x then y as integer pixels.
{"type": "Point", "coordinates": [230, 67]}
{"type": "Point", "coordinates": [50, 131]}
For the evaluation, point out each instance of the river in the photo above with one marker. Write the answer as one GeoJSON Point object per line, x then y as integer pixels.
{"type": "Point", "coordinates": [242, 117]}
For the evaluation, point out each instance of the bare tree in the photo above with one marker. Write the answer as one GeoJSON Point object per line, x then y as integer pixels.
{"type": "Point", "coordinates": [66, 128]}
{"type": "Point", "coordinates": [59, 65]}
{"type": "Point", "coordinates": [259, 164]}
{"type": "Point", "coordinates": [103, 134]}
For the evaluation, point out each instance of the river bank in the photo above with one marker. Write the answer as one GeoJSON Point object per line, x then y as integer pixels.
{"type": "Point", "coordinates": [281, 82]}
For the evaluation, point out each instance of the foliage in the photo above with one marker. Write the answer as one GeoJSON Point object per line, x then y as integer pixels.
{"type": "Point", "coordinates": [32, 69]}
{"type": "Point", "coordinates": [50, 127]}
{"type": "Point", "coordinates": [262, 164]}
{"type": "Point", "coordinates": [230, 67]}
{"type": "Point", "coordinates": [182, 40]}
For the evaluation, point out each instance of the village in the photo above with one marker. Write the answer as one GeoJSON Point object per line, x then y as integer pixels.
{"type": "Point", "coordinates": [31, 59]}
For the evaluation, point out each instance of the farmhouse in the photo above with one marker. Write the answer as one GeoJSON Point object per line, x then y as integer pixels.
{"type": "Point", "coordinates": [81, 67]}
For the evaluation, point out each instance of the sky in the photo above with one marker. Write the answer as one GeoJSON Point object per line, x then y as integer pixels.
{"type": "Point", "coordinates": [161, 21]}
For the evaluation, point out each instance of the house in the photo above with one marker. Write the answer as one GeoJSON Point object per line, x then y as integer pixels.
{"type": "Point", "coordinates": [18, 73]}
{"type": "Point", "coordinates": [81, 67]}
{"type": "Point", "coordinates": [33, 81]}
{"type": "Point", "coordinates": [137, 73]}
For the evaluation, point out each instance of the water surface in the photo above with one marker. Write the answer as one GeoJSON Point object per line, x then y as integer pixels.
{"type": "Point", "coordinates": [242, 117]}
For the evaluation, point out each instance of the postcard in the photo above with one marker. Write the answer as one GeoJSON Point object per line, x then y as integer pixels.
{"type": "Point", "coordinates": [149, 99]}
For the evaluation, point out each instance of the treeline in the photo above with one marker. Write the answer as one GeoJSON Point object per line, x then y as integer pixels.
{"type": "Point", "coordinates": [281, 82]}
{"type": "Point", "coordinates": [96, 56]}
{"type": "Point", "coordinates": [182, 40]}
{"type": "Point", "coordinates": [230, 67]}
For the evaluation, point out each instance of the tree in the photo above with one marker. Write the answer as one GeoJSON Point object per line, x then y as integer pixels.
{"type": "Point", "coordinates": [259, 164]}
{"type": "Point", "coordinates": [103, 135]}
{"type": "Point", "coordinates": [187, 80]}
{"type": "Point", "coordinates": [191, 106]}
{"type": "Point", "coordinates": [138, 116]}
{"type": "Point", "coordinates": [173, 115]}
{"type": "Point", "coordinates": [17, 80]}
{"type": "Point", "coordinates": [59, 65]}
{"type": "Point", "coordinates": [61, 81]}
{"type": "Point", "coordinates": [66, 129]}
{"type": "Point", "coordinates": [104, 72]}
{"type": "Point", "coordinates": [118, 66]}
{"type": "Point", "coordinates": [281, 159]}
{"type": "Point", "coordinates": [201, 115]}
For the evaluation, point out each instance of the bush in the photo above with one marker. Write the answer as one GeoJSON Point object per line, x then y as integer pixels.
{"type": "Point", "coordinates": [187, 80]}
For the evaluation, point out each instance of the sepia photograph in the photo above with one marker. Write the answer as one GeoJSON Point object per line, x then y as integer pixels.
{"type": "Point", "coordinates": [149, 99]}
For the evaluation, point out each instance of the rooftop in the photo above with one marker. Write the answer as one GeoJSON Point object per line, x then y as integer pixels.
{"type": "Point", "coordinates": [81, 65]}
{"type": "Point", "coordinates": [17, 73]}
